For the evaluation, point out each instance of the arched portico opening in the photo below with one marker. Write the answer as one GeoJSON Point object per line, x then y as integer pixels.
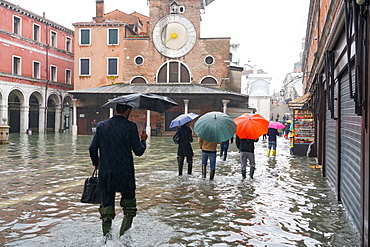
{"type": "Point", "coordinates": [67, 112]}
{"type": "Point", "coordinates": [51, 118]}
{"type": "Point", "coordinates": [15, 102]}
{"type": "Point", "coordinates": [34, 114]}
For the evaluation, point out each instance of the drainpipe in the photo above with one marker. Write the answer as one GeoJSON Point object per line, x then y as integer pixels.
{"type": "Point", "coordinates": [47, 79]}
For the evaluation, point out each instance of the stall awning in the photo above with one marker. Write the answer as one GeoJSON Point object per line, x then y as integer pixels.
{"type": "Point", "coordinates": [300, 102]}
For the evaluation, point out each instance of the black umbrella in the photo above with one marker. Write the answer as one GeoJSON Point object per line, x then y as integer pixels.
{"type": "Point", "coordinates": [143, 101]}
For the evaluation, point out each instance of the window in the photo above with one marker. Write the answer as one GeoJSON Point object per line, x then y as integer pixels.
{"type": "Point", "coordinates": [36, 69]}
{"type": "Point", "coordinates": [138, 80]}
{"type": "Point", "coordinates": [68, 44]}
{"type": "Point", "coordinates": [112, 36]}
{"type": "Point", "coordinates": [36, 32]}
{"type": "Point", "coordinates": [209, 80]}
{"type": "Point", "coordinates": [68, 76]}
{"type": "Point", "coordinates": [209, 60]}
{"type": "Point", "coordinates": [53, 38]}
{"type": "Point", "coordinates": [85, 37]}
{"type": "Point", "coordinates": [84, 66]}
{"type": "Point", "coordinates": [17, 66]}
{"type": "Point", "coordinates": [53, 73]}
{"type": "Point", "coordinates": [112, 66]}
{"type": "Point", "coordinates": [173, 72]}
{"type": "Point", "coordinates": [139, 60]}
{"type": "Point", "coordinates": [17, 25]}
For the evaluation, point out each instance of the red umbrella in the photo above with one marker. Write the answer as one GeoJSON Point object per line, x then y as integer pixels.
{"type": "Point", "coordinates": [251, 126]}
{"type": "Point", "coordinates": [276, 125]}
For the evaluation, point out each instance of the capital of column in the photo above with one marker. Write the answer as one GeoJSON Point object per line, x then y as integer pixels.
{"type": "Point", "coordinates": [225, 101]}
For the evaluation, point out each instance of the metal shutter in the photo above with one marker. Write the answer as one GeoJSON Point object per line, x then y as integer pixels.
{"type": "Point", "coordinates": [350, 153]}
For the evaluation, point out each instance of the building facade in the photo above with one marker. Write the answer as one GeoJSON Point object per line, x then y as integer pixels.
{"type": "Point", "coordinates": [164, 49]}
{"type": "Point", "coordinates": [36, 71]}
{"type": "Point", "coordinates": [335, 65]}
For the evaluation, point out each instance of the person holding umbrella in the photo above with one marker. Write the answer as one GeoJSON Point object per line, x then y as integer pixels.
{"type": "Point", "coordinates": [271, 144]}
{"type": "Point", "coordinates": [110, 152]}
{"type": "Point", "coordinates": [184, 149]}
{"type": "Point", "coordinates": [185, 137]}
{"type": "Point", "coordinates": [213, 128]}
{"type": "Point", "coordinates": [208, 152]}
{"type": "Point", "coordinates": [246, 148]}
{"type": "Point", "coordinates": [272, 133]}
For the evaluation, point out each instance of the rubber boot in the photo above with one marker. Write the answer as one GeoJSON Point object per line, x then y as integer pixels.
{"type": "Point", "coordinates": [204, 171]}
{"type": "Point", "coordinates": [129, 210]}
{"type": "Point", "coordinates": [251, 172]}
{"type": "Point", "coordinates": [268, 152]}
{"type": "Point", "coordinates": [107, 215]}
{"type": "Point", "coordinates": [190, 167]}
{"type": "Point", "coordinates": [180, 164]}
{"type": "Point", "coordinates": [244, 174]}
{"type": "Point", "coordinates": [212, 175]}
{"type": "Point", "coordinates": [273, 153]}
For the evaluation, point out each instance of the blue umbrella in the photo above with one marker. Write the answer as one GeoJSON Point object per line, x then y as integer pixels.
{"type": "Point", "coordinates": [183, 119]}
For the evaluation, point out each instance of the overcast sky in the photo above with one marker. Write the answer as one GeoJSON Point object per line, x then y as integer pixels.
{"type": "Point", "coordinates": [269, 32]}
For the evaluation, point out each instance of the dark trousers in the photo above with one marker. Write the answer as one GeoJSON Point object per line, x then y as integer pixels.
{"type": "Point", "coordinates": [108, 197]}
{"type": "Point", "coordinates": [224, 147]}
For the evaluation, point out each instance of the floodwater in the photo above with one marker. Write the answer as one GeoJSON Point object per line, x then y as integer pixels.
{"type": "Point", "coordinates": [288, 203]}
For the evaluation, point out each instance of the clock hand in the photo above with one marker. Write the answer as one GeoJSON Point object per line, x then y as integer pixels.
{"type": "Point", "coordinates": [173, 36]}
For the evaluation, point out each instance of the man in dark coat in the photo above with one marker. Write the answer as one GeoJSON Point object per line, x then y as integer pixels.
{"type": "Point", "coordinates": [184, 149]}
{"type": "Point", "coordinates": [110, 152]}
{"type": "Point", "coordinates": [246, 148]}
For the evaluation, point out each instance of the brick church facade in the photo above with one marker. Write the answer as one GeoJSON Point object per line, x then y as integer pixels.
{"type": "Point", "coordinates": [163, 51]}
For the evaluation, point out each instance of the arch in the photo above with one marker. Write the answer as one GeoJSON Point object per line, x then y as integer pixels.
{"type": "Point", "coordinates": [138, 80]}
{"type": "Point", "coordinates": [67, 112]}
{"type": "Point", "coordinates": [259, 88]}
{"type": "Point", "coordinates": [209, 80]}
{"type": "Point", "coordinates": [52, 103]}
{"type": "Point", "coordinates": [35, 102]}
{"type": "Point", "coordinates": [15, 102]}
{"type": "Point", "coordinates": [173, 71]}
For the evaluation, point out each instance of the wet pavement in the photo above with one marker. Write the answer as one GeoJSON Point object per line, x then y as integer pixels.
{"type": "Point", "coordinates": [288, 203]}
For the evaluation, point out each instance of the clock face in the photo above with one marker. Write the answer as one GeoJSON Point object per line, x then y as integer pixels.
{"type": "Point", "coordinates": [174, 35]}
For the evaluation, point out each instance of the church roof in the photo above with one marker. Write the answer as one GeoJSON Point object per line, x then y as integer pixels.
{"type": "Point", "coordinates": [188, 90]}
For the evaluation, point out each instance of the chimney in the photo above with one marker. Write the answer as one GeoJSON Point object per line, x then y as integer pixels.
{"type": "Point", "coordinates": [99, 10]}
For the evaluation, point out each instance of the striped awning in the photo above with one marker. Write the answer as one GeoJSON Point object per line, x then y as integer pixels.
{"type": "Point", "coordinates": [300, 102]}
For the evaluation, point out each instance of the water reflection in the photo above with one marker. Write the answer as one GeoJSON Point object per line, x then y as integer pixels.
{"type": "Point", "coordinates": [287, 204]}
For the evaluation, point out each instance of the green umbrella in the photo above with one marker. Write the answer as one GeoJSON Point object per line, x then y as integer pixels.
{"type": "Point", "coordinates": [215, 127]}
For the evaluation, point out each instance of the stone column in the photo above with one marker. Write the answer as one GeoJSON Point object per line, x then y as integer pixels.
{"type": "Point", "coordinates": [74, 126]}
{"type": "Point", "coordinates": [186, 106]}
{"type": "Point", "coordinates": [42, 119]}
{"type": "Point", "coordinates": [70, 118]}
{"type": "Point", "coordinates": [58, 117]}
{"type": "Point", "coordinates": [148, 128]}
{"type": "Point", "coordinates": [24, 119]}
{"type": "Point", "coordinates": [111, 112]}
{"type": "Point", "coordinates": [225, 102]}
{"type": "Point", "coordinates": [4, 112]}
